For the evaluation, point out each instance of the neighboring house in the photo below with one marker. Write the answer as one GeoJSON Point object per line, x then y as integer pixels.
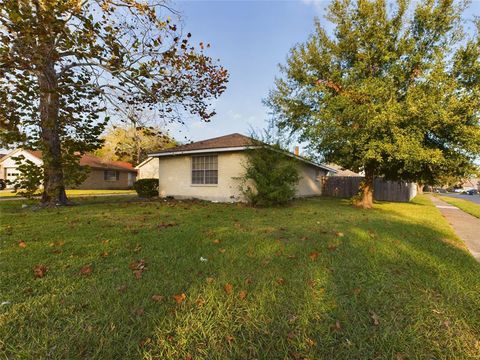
{"type": "Point", "coordinates": [148, 169]}
{"type": "Point", "coordinates": [343, 172]}
{"type": "Point", "coordinates": [211, 170]}
{"type": "Point", "coordinates": [472, 183]}
{"type": "Point", "coordinates": [103, 174]}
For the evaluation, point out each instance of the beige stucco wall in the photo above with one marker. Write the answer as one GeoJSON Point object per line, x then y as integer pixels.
{"type": "Point", "coordinates": [175, 178]}
{"type": "Point", "coordinates": [148, 170]}
{"type": "Point", "coordinates": [174, 175]}
{"type": "Point", "coordinates": [95, 181]}
{"type": "Point", "coordinates": [310, 180]}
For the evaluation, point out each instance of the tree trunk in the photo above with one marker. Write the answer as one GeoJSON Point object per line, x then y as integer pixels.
{"type": "Point", "coordinates": [366, 188]}
{"type": "Point", "coordinates": [53, 183]}
{"type": "Point", "coordinates": [419, 188]}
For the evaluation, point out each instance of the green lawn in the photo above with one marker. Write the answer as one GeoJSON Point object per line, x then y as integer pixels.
{"type": "Point", "coordinates": [317, 280]}
{"type": "Point", "coordinates": [465, 205]}
{"type": "Point", "coordinates": [74, 193]}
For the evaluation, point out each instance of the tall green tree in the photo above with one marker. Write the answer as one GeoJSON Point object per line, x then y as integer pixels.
{"type": "Point", "coordinates": [133, 143]}
{"type": "Point", "coordinates": [389, 91]}
{"type": "Point", "coordinates": [64, 63]}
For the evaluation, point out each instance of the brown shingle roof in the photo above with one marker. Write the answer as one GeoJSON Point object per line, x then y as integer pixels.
{"type": "Point", "coordinates": [95, 162]}
{"type": "Point", "coordinates": [226, 141]}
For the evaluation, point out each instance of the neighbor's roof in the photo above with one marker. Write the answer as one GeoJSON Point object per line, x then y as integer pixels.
{"type": "Point", "coordinates": [232, 142]}
{"type": "Point", "coordinates": [342, 171]}
{"type": "Point", "coordinates": [95, 162]}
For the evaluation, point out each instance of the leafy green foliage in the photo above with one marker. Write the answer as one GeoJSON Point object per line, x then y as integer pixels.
{"type": "Point", "coordinates": [146, 188]}
{"type": "Point", "coordinates": [270, 176]}
{"type": "Point", "coordinates": [133, 143]}
{"type": "Point", "coordinates": [29, 178]}
{"type": "Point", "coordinates": [392, 93]}
{"type": "Point", "coordinates": [64, 65]}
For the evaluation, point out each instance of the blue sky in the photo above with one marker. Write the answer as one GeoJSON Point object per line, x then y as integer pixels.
{"type": "Point", "coordinates": [250, 38]}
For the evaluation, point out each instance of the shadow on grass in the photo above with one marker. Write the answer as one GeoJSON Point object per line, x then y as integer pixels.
{"type": "Point", "coordinates": [316, 276]}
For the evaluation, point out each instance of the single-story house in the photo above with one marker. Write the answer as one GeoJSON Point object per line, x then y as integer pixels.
{"type": "Point", "coordinates": [211, 170]}
{"type": "Point", "coordinates": [103, 175]}
{"type": "Point", "coordinates": [148, 168]}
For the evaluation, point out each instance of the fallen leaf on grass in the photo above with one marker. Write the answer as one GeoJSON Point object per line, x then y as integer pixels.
{"type": "Point", "coordinates": [200, 302]}
{"type": "Point", "coordinates": [179, 298]}
{"type": "Point", "coordinates": [216, 241]}
{"type": "Point", "coordinates": [163, 225]}
{"type": "Point", "coordinates": [339, 234]}
{"type": "Point", "coordinates": [337, 327]}
{"type": "Point", "coordinates": [86, 270]}
{"type": "Point", "coordinates": [248, 281]}
{"type": "Point", "coordinates": [137, 248]}
{"type": "Point", "coordinates": [242, 295]}
{"type": "Point", "coordinates": [221, 250]}
{"type": "Point", "coordinates": [310, 342]}
{"type": "Point", "coordinates": [22, 244]}
{"type": "Point", "coordinates": [375, 319]}
{"type": "Point", "coordinates": [399, 356]}
{"type": "Point", "coordinates": [313, 255]}
{"type": "Point", "coordinates": [137, 265]}
{"type": "Point", "coordinates": [210, 280]}
{"type": "Point", "coordinates": [332, 247]}
{"type": "Point", "coordinates": [144, 342]}
{"type": "Point", "coordinates": [229, 339]}
{"type": "Point", "coordinates": [139, 311]}
{"type": "Point", "coordinates": [39, 270]}
{"type": "Point", "coordinates": [158, 298]}
{"type": "Point", "coordinates": [137, 268]}
{"type": "Point", "coordinates": [292, 318]}
{"type": "Point", "coordinates": [357, 291]}
{"type": "Point", "coordinates": [280, 281]}
{"type": "Point", "coordinates": [104, 254]}
{"type": "Point", "coordinates": [122, 288]}
{"type": "Point", "coordinates": [228, 288]}
{"type": "Point", "coordinates": [137, 274]}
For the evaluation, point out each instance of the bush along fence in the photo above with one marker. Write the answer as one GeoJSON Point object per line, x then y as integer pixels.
{"type": "Point", "coordinates": [347, 186]}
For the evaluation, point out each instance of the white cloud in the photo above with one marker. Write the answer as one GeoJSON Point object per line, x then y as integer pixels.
{"type": "Point", "coordinates": [318, 5]}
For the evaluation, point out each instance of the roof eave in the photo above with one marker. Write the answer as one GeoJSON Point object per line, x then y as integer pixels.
{"type": "Point", "coordinates": [235, 148]}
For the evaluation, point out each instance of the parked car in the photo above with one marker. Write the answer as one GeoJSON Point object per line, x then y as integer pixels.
{"type": "Point", "coordinates": [3, 184]}
{"type": "Point", "coordinates": [471, 192]}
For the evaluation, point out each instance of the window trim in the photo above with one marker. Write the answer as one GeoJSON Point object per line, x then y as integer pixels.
{"type": "Point", "coordinates": [191, 171]}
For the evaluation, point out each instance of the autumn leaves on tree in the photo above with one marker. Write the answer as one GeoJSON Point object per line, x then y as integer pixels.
{"type": "Point", "coordinates": [389, 92]}
{"type": "Point", "coordinates": [66, 63]}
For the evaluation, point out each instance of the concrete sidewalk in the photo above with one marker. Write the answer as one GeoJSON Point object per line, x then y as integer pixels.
{"type": "Point", "coordinates": [466, 226]}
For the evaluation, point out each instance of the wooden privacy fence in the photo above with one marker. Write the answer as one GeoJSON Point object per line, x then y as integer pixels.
{"type": "Point", "coordinates": [383, 190]}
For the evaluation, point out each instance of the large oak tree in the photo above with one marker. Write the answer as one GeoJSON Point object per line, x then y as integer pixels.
{"type": "Point", "coordinates": [393, 90]}
{"type": "Point", "coordinates": [64, 64]}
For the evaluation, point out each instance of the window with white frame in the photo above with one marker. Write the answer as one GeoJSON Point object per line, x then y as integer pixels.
{"type": "Point", "coordinates": [205, 170]}
{"type": "Point", "coordinates": [111, 175]}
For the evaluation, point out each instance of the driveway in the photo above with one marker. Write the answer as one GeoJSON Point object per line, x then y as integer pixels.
{"type": "Point", "coordinates": [472, 198]}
